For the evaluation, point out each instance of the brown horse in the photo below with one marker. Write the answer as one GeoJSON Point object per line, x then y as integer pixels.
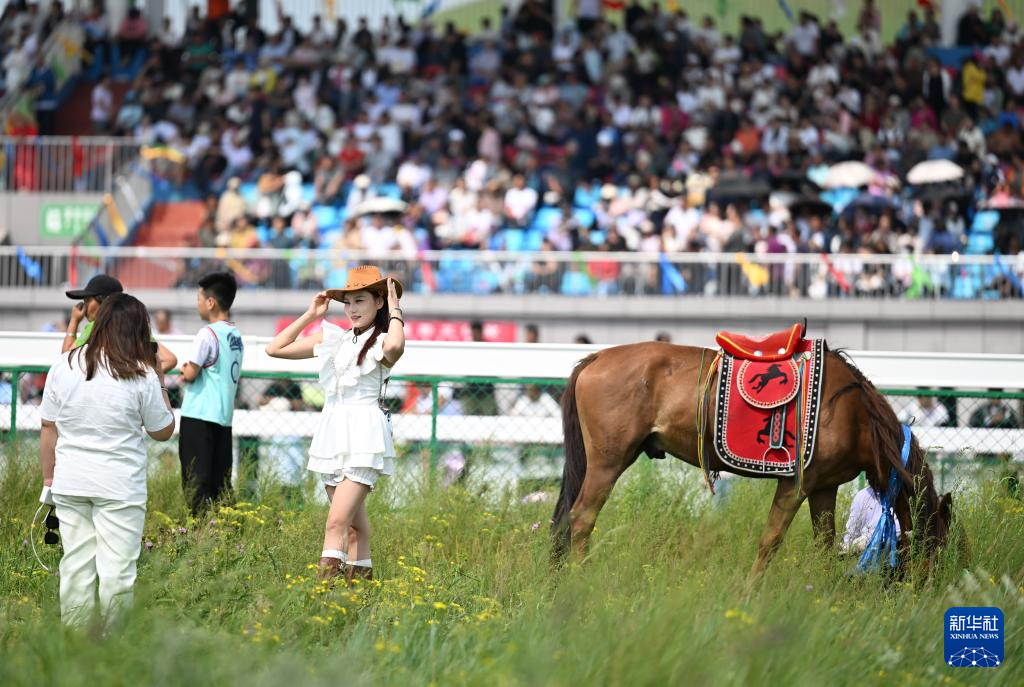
{"type": "Point", "coordinates": [642, 397]}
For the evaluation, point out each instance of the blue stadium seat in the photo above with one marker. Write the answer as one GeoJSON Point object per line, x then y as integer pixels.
{"type": "Point", "coordinates": [514, 239]}
{"type": "Point", "coordinates": [336, 278]}
{"type": "Point", "coordinates": [597, 237]}
{"type": "Point", "coordinates": [308, 193]}
{"type": "Point", "coordinates": [329, 237]}
{"type": "Point", "coordinates": [533, 239]}
{"type": "Point", "coordinates": [985, 221]}
{"type": "Point", "coordinates": [484, 281]}
{"type": "Point", "coordinates": [979, 243]}
{"type": "Point", "coordinates": [326, 217]}
{"type": "Point", "coordinates": [497, 240]}
{"type": "Point", "coordinates": [389, 190]}
{"type": "Point", "coordinates": [575, 284]}
{"type": "Point", "coordinates": [586, 198]}
{"type": "Point", "coordinates": [967, 282]}
{"type": "Point", "coordinates": [545, 218]}
{"type": "Point", "coordinates": [455, 275]}
{"type": "Point", "coordinates": [585, 216]}
{"type": "Point", "coordinates": [248, 192]}
{"type": "Point", "coordinates": [264, 234]}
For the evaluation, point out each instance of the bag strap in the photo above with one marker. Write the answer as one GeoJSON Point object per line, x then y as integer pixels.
{"type": "Point", "coordinates": [382, 387]}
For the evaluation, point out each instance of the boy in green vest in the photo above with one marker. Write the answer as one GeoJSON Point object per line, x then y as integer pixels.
{"type": "Point", "coordinates": [212, 372]}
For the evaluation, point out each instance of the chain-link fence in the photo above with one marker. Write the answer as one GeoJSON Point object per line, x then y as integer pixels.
{"type": "Point", "coordinates": [504, 435]}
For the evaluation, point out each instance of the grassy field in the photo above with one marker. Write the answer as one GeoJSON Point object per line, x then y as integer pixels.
{"type": "Point", "coordinates": [466, 597]}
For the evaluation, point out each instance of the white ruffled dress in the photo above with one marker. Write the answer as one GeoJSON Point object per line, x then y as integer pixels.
{"type": "Point", "coordinates": [353, 438]}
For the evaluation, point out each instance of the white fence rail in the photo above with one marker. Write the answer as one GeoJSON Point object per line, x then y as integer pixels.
{"type": "Point", "coordinates": [887, 369]}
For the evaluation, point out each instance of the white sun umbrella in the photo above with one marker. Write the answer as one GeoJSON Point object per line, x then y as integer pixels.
{"type": "Point", "coordinates": [850, 174]}
{"type": "Point", "coordinates": [934, 172]}
{"type": "Point", "coordinates": [380, 205]}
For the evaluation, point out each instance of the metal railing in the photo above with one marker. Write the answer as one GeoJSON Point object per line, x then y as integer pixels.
{"type": "Point", "coordinates": [64, 164]}
{"type": "Point", "coordinates": [500, 272]}
{"type": "Point", "coordinates": [500, 434]}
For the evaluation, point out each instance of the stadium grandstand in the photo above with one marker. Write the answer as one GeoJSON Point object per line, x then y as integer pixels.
{"type": "Point", "coordinates": [595, 148]}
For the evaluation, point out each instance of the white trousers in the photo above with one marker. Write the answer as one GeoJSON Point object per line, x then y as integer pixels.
{"type": "Point", "coordinates": [101, 539]}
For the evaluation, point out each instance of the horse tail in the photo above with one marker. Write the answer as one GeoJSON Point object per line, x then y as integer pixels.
{"type": "Point", "coordinates": [575, 468]}
{"type": "Point", "coordinates": [886, 431]}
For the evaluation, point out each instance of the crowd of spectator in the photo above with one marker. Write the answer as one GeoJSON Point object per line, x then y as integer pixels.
{"type": "Point", "coordinates": [592, 135]}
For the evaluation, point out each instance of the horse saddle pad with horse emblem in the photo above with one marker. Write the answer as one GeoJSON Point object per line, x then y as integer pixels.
{"type": "Point", "coordinates": [769, 392]}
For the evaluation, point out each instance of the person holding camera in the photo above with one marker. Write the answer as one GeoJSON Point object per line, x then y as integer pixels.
{"type": "Point", "coordinates": [100, 402]}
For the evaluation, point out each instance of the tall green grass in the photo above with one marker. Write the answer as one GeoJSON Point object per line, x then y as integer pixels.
{"type": "Point", "coordinates": [466, 596]}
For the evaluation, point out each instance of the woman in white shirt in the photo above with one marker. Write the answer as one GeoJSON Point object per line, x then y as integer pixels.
{"type": "Point", "coordinates": [100, 401]}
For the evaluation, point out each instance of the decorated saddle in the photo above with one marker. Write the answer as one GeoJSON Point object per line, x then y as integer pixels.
{"type": "Point", "coordinates": [767, 401]}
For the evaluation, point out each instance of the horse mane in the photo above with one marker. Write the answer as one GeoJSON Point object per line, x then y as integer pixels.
{"type": "Point", "coordinates": [887, 437]}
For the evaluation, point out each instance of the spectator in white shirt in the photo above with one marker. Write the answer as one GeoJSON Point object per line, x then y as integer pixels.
{"type": "Point", "coordinates": [102, 113]}
{"type": "Point", "coordinates": [318, 35]}
{"type": "Point", "coordinates": [804, 36]}
{"type": "Point", "coordinates": [520, 202]}
{"type": "Point", "coordinates": [379, 238]}
{"type": "Point", "coordinates": [433, 197]}
{"type": "Point", "coordinates": [412, 174]}
{"type": "Point", "coordinates": [564, 52]}
{"type": "Point", "coordinates": [535, 403]}
{"type": "Point", "coordinates": [728, 55]}
{"type": "Point", "coordinates": [486, 62]}
{"type": "Point", "coordinates": [1015, 76]}
{"type": "Point", "coordinates": [478, 224]}
{"type": "Point", "coordinates": [18, 66]}
{"type": "Point", "coordinates": [684, 220]}
{"type": "Point", "coordinates": [99, 403]}
{"type": "Point", "coordinates": [925, 411]}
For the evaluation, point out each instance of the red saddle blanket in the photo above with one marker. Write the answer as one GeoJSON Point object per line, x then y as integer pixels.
{"type": "Point", "coordinates": [764, 408]}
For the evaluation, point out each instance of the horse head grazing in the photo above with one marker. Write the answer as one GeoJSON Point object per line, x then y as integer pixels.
{"type": "Point", "coordinates": [934, 513]}
{"type": "Point", "coordinates": [918, 505]}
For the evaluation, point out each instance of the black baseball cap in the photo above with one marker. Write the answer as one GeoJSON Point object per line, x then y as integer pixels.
{"type": "Point", "coordinates": [100, 285]}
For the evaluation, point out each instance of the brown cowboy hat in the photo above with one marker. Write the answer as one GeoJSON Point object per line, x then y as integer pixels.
{"type": "Point", "coordinates": [365, 278]}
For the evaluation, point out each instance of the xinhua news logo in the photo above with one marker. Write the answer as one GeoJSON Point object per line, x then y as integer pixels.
{"type": "Point", "coordinates": [974, 637]}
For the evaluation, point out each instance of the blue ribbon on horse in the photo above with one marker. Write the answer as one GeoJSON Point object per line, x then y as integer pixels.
{"type": "Point", "coordinates": [883, 541]}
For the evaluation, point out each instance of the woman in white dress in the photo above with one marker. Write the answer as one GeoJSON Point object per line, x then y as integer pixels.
{"type": "Point", "coordinates": [352, 445]}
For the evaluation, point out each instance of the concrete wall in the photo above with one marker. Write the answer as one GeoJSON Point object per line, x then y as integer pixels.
{"type": "Point", "coordinates": [20, 214]}
{"type": "Point", "coordinates": [936, 326]}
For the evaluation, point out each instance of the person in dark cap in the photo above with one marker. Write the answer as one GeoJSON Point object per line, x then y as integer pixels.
{"type": "Point", "coordinates": [90, 298]}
